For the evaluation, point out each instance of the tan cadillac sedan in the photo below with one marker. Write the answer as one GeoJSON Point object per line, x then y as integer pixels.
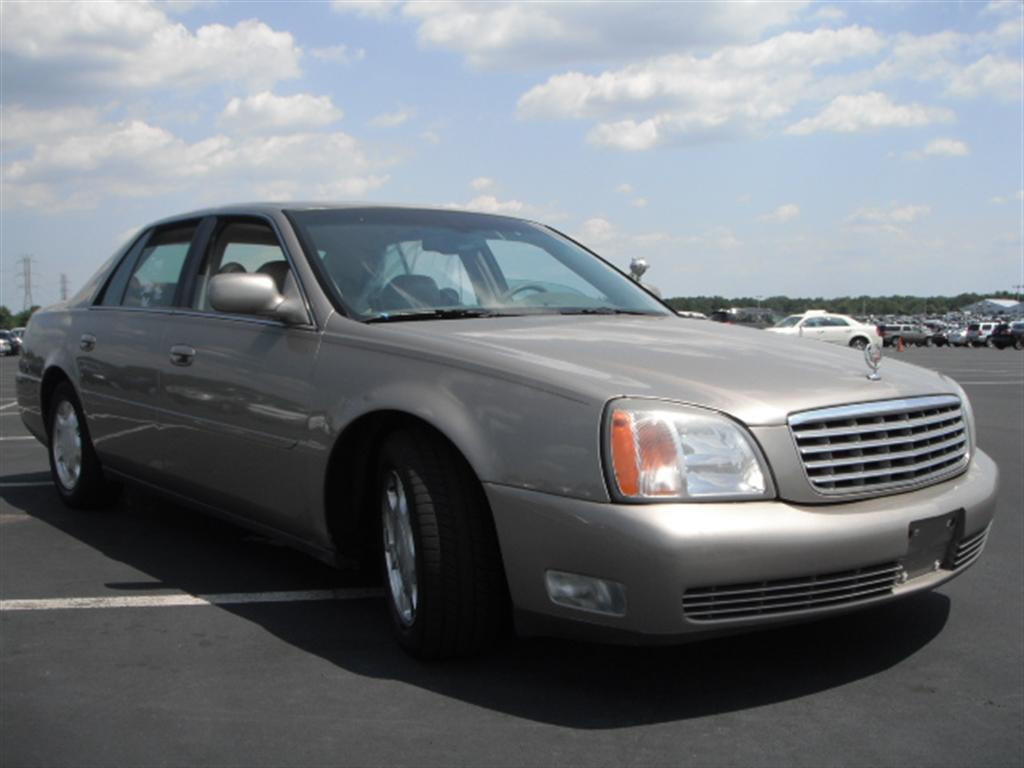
{"type": "Point", "coordinates": [510, 426]}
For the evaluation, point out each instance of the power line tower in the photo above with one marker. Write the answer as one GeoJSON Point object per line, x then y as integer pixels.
{"type": "Point", "coordinates": [26, 281]}
{"type": "Point", "coordinates": [63, 287]}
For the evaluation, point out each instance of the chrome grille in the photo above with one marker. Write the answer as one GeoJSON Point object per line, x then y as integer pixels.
{"type": "Point", "coordinates": [877, 446]}
{"type": "Point", "coordinates": [739, 601]}
{"type": "Point", "coordinates": [969, 550]}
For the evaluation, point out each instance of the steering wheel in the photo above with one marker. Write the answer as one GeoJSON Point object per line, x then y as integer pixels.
{"type": "Point", "coordinates": [524, 287]}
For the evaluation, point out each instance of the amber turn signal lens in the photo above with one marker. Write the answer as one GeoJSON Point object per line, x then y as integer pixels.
{"type": "Point", "coordinates": [624, 453]}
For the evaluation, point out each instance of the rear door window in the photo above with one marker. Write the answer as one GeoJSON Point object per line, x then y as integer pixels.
{"type": "Point", "coordinates": [157, 273]}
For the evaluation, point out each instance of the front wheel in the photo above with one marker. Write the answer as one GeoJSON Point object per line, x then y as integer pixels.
{"type": "Point", "coordinates": [859, 343]}
{"type": "Point", "coordinates": [989, 343]}
{"type": "Point", "coordinates": [74, 467]}
{"type": "Point", "coordinates": [443, 575]}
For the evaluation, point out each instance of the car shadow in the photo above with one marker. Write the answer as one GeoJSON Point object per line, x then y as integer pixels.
{"type": "Point", "coordinates": [565, 683]}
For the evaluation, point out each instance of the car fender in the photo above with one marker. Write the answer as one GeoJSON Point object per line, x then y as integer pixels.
{"type": "Point", "coordinates": [509, 432]}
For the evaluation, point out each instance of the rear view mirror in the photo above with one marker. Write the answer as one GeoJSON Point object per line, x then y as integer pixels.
{"type": "Point", "coordinates": [241, 293]}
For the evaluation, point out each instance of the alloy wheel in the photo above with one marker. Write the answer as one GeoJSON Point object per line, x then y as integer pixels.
{"type": "Point", "coordinates": [399, 549]}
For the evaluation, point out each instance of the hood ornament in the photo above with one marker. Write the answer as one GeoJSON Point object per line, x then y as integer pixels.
{"type": "Point", "coordinates": [873, 357]}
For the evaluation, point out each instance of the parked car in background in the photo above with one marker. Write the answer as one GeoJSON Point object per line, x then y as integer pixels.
{"type": "Point", "coordinates": [13, 342]}
{"type": "Point", "coordinates": [957, 337]}
{"type": "Point", "coordinates": [503, 424]}
{"type": "Point", "coordinates": [691, 314]}
{"type": "Point", "coordinates": [978, 333]}
{"type": "Point", "coordinates": [910, 333]}
{"type": "Point", "coordinates": [752, 317]}
{"type": "Point", "coordinates": [820, 325]}
{"type": "Point", "coordinates": [938, 334]}
{"type": "Point", "coordinates": [19, 332]}
{"type": "Point", "coordinates": [1005, 335]}
{"type": "Point", "coordinates": [5, 347]}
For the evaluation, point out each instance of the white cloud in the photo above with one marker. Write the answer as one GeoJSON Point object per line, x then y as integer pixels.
{"type": "Point", "coordinates": [338, 54]}
{"type": "Point", "coordinates": [431, 137]}
{"type": "Point", "coordinates": [391, 119]}
{"type": "Point", "coordinates": [947, 148]}
{"type": "Point", "coordinates": [596, 231]}
{"type": "Point", "coordinates": [781, 214]}
{"type": "Point", "coordinates": [625, 188]}
{"type": "Point", "coordinates": [481, 183]}
{"type": "Point", "coordinates": [638, 202]}
{"type": "Point", "coordinates": [739, 88]}
{"type": "Point", "coordinates": [52, 50]}
{"type": "Point", "coordinates": [990, 75]}
{"type": "Point", "coordinates": [24, 127]}
{"type": "Point", "coordinates": [1002, 7]}
{"type": "Point", "coordinates": [889, 218]}
{"type": "Point", "coordinates": [869, 111]}
{"type": "Point", "coordinates": [134, 158]}
{"type": "Point", "coordinates": [369, 9]}
{"type": "Point", "coordinates": [264, 112]}
{"type": "Point", "coordinates": [491, 204]}
{"type": "Point", "coordinates": [527, 34]}
{"type": "Point", "coordinates": [829, 13]}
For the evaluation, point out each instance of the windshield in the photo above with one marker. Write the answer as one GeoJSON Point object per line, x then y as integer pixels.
{"type": "Point", "coordinates": [788, 322]}
{"type": "Point", "coordinates": [386, 264]}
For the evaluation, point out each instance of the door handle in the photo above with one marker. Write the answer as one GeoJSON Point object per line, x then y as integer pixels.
{"type": "Point", "coordinates": [182, 354]}
{"type": "Point", "coordinates": [87, 343]}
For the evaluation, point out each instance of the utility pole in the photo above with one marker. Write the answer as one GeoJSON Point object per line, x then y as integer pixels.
{"type": "Point", "coordinates": [1017, 289]}
{"type": "Point", "coordinates": [26, 281]}
{"type": "Point", "coordinates": [63, 287]}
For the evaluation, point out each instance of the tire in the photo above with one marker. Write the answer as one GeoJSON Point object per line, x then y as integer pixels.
{"type": "Point", "coordinates": [928, 342]}
{"type": "Point", "coordinates": [74, 467]}
{"type": "Point", "coordinates": [859, 343]}
{"type": "Point", "coordinates": [443, 577]}
{"type": "Point", "coordinates": [989, 343]}
{"type": "Point", "coordinates": [1018, 343]}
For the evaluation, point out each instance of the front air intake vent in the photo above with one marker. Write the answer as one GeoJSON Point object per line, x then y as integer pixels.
{"type": "Point", "coordinates": [742, 601]}
{"type": "Point", "coordinates": [883, 445]}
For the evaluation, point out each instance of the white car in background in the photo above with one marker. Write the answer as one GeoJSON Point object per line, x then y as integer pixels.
{"type": "Point", "coordinates": [825, 326]}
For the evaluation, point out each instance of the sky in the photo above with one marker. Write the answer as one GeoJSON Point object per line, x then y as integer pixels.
{"type": "Point", "coordinates": [806, 149]}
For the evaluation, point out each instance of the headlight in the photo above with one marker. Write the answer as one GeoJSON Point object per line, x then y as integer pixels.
{"type": "Point", "coordinates": [661, 451]}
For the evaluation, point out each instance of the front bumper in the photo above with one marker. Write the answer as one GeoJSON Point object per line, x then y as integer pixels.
{"type": "Point", "coordinates": [754, 551]}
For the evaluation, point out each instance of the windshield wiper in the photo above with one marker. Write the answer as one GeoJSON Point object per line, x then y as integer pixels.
{"type": "Point", "coordinates": [604, 311]}
{"type": "Point", "coordinates": [446, 313]}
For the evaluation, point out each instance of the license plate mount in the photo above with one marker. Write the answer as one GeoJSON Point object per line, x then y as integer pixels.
{"type": "Point", "coordinates": [930, 543]}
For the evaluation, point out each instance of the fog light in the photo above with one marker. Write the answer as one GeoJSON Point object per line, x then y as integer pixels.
{"type": "Point", "coordinates": [586, 593]}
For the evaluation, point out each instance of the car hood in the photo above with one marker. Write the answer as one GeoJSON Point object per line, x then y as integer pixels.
{"type": "Point", "coordinates": [755, 376]}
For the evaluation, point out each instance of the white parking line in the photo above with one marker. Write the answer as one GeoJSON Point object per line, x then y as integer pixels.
{"type": "Point", "coordinates": [164, 601]}
{"type": "Point", "coordinates": [11, 404]}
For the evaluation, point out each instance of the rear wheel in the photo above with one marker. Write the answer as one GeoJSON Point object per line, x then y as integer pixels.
{"type": "Point", "coordinates": [859, 343]}
{"type": "Point", "coordinates": [989, 343]}
{"type": "Point", "coordinates": [74, 467]}
{"type": "Point", "coordinates": [1018, 343]}
{"type": "Point", "coordinates": [443, 574]}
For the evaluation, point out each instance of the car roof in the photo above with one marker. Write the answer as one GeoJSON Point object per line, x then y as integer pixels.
{"type": "Point", "coordinates": [273, 208]}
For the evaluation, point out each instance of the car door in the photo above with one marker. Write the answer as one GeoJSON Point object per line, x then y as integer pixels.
{"type": "Point", "coordinates": [813, 328]}
{"type": "Point", "coordinates": [119, 351]}
{"type": "Point", "coordinates": [837, 330]}
{"type": "Point", "coordinates": [237, 389]}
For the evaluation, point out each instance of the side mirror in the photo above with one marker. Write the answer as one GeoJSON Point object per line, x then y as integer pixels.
{"type": "Point", "coordinates": [241, 293]}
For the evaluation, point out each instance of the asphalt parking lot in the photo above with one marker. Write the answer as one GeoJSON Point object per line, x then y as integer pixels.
{"type": "Point", "coordinates": [291, 663]}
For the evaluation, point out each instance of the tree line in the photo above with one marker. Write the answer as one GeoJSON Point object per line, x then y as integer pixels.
{"type": "Point", "coordinates": [10, 319]}
{"type": "Point", "coordinates": [845, 305]}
